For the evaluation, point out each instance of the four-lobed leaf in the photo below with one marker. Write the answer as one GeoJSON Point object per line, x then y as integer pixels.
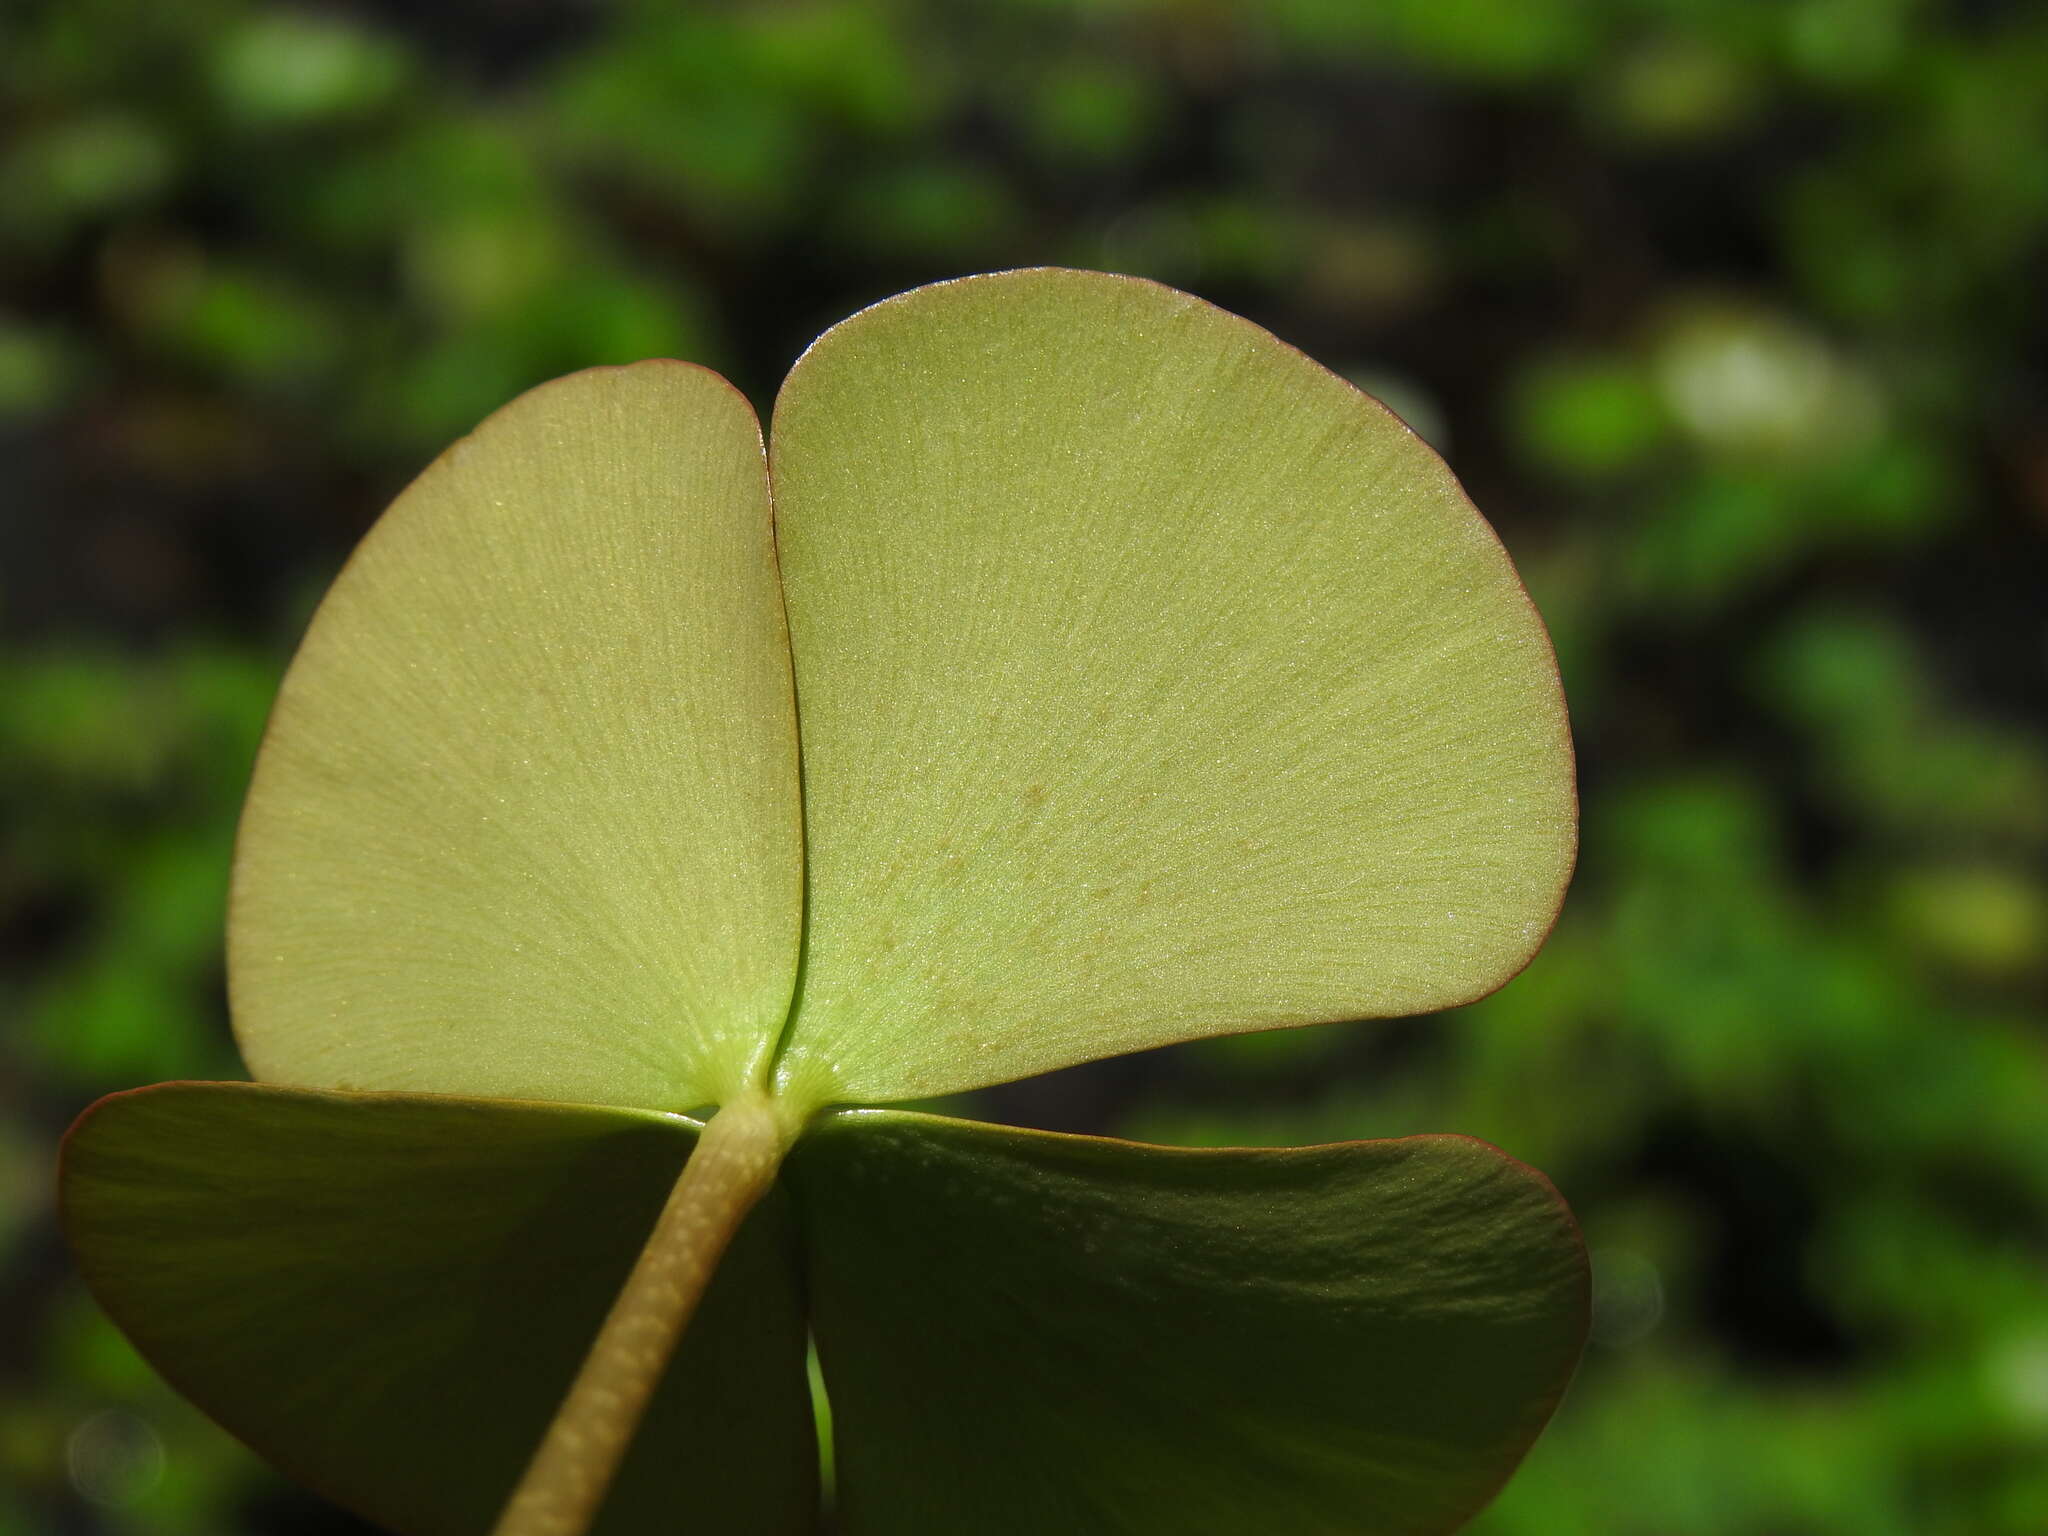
{"type": "Point", "coordinates": [1139, 680]}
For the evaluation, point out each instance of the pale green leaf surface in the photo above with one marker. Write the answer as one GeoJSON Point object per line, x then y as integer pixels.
{"type": "Point", "coordinates": [525, 822]}
{"type": "Point", "coordinates": [1024, 1333]}
{"type": "Point", "coordinates": [388, 1295]}
{"type": "Point", "coordinates": [1154, 682]}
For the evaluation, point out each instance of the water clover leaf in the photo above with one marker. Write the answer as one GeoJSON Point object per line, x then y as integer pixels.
{"type": "Point", "coordinates": [1155, 684]}
{"type": "Point", "coordinates": [525, 820]}
{"type": "Point", "coordinates": [1080, 670]}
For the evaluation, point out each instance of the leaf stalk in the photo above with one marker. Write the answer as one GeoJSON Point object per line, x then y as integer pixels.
{"type": "Point", "coordinates": [730, 1169]}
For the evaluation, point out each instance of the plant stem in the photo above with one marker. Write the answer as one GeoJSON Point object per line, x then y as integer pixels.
{"type": "Point", "coordinates": [731, 1167]}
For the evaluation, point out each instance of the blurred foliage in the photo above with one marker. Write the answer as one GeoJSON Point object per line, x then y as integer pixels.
{"type": "Point", "coordinates": [1728, 314]}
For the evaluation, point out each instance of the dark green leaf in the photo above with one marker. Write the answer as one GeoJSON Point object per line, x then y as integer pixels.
{"type": "Point", "coordinates": [386, 1295]}
{"type": "Point", "coordinates": [1025, 1333]}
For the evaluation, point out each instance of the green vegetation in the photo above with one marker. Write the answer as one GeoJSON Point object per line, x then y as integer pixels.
{"type": "Point", "coordinates": [1723, 312]}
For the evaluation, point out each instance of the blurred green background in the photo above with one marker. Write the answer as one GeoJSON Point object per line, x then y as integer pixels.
{"type": "Point", "coordinates": [1729, 315]}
